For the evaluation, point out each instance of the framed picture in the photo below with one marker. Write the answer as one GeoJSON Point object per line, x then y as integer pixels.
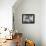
{"type": "Point", "coordinates": [28, 18]}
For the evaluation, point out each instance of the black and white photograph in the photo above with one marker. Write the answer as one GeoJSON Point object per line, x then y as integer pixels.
{"type": "Point", "coordinates": [28, 18]}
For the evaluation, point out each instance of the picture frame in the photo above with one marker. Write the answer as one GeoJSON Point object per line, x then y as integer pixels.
{"type": "Point", "coordinates": [28, 18]}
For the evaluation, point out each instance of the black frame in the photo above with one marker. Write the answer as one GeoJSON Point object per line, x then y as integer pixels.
{"type": "Point", "coordinates": [28, 18]}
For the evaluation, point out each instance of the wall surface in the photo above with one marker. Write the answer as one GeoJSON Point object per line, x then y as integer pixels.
{"type": "Point", "coordinates": [43, 22]}
{"type": "Point", "coordinates": [30, 31]}
{"type": "Point", "coordinates": [6, 13]}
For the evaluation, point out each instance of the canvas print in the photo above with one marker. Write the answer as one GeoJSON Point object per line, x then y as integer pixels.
{"type": "Point", "coordinates": [28, 18]}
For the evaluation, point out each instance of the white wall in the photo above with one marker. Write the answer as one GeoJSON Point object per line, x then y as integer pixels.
{"type": "Point", "coordinates": [6, 13]}
{"type": "Point", "coordinates": [43, 22]}
{"type": "Point", "coordinates": [31, 31]}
